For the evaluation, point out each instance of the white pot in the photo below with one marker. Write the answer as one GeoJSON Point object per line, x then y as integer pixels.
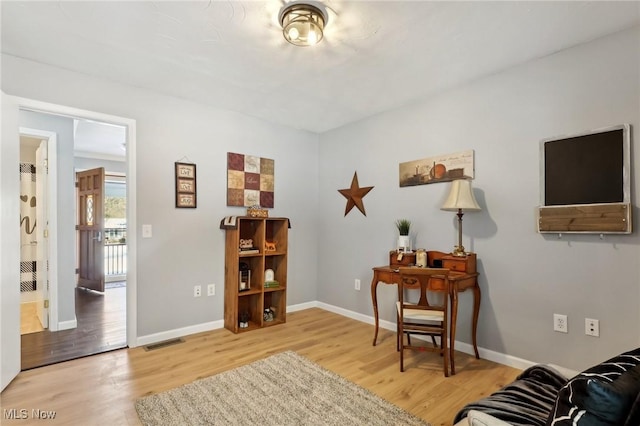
{"type": "Point", "coordinates": [404, 243]}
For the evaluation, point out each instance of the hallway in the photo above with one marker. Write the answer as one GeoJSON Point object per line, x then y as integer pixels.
{"type": "Point", "coordinates": [101, 328]}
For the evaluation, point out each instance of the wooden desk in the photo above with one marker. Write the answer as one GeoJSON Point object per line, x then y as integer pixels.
{"type": "Point", "coordinates": [462, 276]}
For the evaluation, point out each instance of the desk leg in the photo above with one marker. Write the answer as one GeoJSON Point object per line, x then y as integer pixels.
{"type": "Point", "coordinates": [452, 330]}
{"type": "Point", "coordinates": [476, 312]}
{"type": "Point", "coordinates": [374, 298]}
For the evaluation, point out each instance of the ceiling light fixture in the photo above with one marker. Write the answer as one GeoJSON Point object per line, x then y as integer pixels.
{"type": "Point", "coordinates": [302, 23]}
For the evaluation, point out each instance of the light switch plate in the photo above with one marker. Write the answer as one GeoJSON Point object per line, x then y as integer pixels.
{"type": "Point", "coordinates": [147, 231]}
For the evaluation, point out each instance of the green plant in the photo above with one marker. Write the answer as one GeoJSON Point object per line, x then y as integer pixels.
{"type": "Point", "coordinates": [403, 226]}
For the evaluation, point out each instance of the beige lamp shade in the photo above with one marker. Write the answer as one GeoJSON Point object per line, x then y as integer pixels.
{"type": "Point", "coordinates": [461, 197]}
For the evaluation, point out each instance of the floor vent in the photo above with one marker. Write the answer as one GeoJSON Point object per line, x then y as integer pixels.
{"type": "Point", "coordinates": [164, 344]}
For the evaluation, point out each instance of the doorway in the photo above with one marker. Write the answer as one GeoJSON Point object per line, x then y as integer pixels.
{"type": "Point", "coordinates": [35, 179]}
{"type": "Point", "coordinates": [98, 321]}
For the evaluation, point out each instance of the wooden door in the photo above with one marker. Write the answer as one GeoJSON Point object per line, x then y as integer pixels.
{"type": "Point", "coordinates": [90, 229]}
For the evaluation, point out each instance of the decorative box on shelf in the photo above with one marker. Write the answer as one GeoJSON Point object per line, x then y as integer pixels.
{"type": "Point", "coordinates": [257, 211]}
{"type": "Point", "coordinates": [402, 259]}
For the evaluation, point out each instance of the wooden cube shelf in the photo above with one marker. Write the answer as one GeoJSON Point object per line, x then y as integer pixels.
{"type": "Point", "coordinates": [269, 237]}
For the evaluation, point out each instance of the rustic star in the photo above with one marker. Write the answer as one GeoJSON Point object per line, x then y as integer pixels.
{"type": "Point", "coordinates": [354, 195]}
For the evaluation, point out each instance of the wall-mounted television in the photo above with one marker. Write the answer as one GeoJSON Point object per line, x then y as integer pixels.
{"type": "Point", "coordinates": [585, 182]}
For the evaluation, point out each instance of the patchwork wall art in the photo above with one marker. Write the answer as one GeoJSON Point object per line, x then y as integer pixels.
{"type": "Point", "coordinates": [443, 168]}
{"type": "Point", "coordinates": [250, 181]}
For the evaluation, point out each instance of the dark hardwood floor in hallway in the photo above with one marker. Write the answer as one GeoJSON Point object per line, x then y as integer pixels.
{"type": "Point", "coordinates": [101, 328]}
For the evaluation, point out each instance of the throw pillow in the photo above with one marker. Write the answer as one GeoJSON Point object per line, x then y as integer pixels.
{"type": "Point", "coordinates": [600, 396]}
{"type": "Point", "coordinates": [611, 401]}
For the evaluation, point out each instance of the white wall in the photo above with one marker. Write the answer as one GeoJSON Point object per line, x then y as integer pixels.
{"type": "Point", "coordinates": [525, 276]}
{"type": "Point", "coordinates": [187, 247]}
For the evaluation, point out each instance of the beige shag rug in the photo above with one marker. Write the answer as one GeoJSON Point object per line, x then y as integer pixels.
{"type": "Point", "coordinates": [283, 389]}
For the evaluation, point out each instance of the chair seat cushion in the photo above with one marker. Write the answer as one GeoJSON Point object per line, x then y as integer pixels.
{"type": "Point", "coordinates": [420, 315]}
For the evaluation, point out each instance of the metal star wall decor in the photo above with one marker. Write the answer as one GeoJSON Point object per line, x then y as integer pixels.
{"type": "Point", "coordinates": [354, 195]}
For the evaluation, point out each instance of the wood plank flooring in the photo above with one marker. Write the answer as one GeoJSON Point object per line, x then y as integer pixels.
{"type": "Point", "coordinates": [101, 327]}
{"type": "Point", "coordinates": [29, 322]}
{"type": "Point", "coordinates": [102, 389]}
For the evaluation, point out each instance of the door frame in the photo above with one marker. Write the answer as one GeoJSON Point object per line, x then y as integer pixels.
{"type": "Point", "coordinates": [130, 124]}
{"type": "Point", "coordinates": [52, 216]}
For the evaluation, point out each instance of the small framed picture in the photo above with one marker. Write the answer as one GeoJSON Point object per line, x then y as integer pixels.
{"type": "Point", "coordinates": [185, 170]}
{"type": "Point", "coordinates": [186, 200]}
{"type": "Point", "coordinates": [185, 185]}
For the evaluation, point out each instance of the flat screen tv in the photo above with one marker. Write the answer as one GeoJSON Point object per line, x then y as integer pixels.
{"type": "Point", "coordinates": [586, 168]}
{"type": "Point", "coordinates": [585, 182]}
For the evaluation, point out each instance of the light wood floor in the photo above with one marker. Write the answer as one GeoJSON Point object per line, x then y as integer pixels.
{"type": "Point", "coordinates": [29, 322]}
{"type": "Point", "coordinates": [101, 389]}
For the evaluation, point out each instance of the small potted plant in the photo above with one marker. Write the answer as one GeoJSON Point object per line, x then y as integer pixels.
{"type": "Point", "coordinates": [404, 241]}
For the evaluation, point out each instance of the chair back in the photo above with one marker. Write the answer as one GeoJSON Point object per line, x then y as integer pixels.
{"type": "Point", "coordinates": [426, 280]}
{"type": "Point", "coordinates": [423, 318]}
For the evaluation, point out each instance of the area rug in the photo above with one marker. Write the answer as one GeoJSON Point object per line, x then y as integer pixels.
{"type": "Point", "coordinates": [283, 389]}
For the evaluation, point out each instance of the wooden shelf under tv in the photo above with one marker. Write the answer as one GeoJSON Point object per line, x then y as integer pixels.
{"type": "Point", "coordinates": [610, 218]}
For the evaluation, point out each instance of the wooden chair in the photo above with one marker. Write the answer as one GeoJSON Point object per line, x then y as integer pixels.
{"type": "Point", "coordinates": [424, 318]}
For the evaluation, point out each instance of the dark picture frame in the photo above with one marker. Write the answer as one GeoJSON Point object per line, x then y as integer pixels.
{"type": "Point", "coordinates": [185, 178]}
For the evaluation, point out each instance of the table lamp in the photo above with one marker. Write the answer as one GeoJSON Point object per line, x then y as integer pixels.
{"type": "Point", "coordinates": [460, 198]}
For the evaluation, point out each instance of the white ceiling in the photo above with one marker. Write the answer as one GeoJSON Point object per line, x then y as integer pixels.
{"type": "Point", "coordinates": [99, 140]}
{"type": "Point", "coordinates": [376, 55]}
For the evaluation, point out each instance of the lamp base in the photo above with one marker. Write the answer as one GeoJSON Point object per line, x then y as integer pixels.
{"type": "Point", "coordinates": [459, 252]}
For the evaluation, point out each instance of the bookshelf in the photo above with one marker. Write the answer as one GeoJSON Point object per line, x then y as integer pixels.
{"type": "Point", "coordinates": [255, 273]}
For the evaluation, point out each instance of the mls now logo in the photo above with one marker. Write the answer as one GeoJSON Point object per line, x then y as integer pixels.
{"type": "Point", "coordinates": [41, 414]}
{"type": "Point", "coordinates": [15, 414]}
{"type": "Point", "coordinates": [23, 413]}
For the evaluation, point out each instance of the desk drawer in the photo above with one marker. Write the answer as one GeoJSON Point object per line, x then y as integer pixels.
{"type": "Point", "coordinates": [455, 265]}
{"type": "Point", "coordinates": [436, 284]}
{"type": "Point", "coordinates": [408, 259]}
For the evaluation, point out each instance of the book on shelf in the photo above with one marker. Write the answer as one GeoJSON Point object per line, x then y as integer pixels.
{"type": "Point", "coordinates": [271, 284]}
{"type": "Point", "coordinates": [250, 250]}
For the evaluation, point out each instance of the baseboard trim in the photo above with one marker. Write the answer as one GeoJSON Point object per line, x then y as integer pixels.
{"type": "Point", "coordinates": [302, 306]}
{"type": "Point", "coordinates": [67, 325]}
{"type": "Point", "coordinates": [178, 332]}
{"type": "Point", "coordinates": [464, 347]}
{"type": "Point", "coordinates": [199, 328]}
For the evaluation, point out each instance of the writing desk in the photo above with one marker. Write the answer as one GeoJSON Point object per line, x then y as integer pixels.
{"type": "Point", "coordinates": [462, 277]}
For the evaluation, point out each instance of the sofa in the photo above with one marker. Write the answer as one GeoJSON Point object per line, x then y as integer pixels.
{"type": "Point", "coordinates": [607, 394]}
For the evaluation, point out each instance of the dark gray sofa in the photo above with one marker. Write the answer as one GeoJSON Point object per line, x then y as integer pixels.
{"type": "Point", "coordinates": [607, 394]}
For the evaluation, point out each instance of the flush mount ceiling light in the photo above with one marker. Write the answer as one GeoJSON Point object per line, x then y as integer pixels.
{"type": "Point", "coordinates": [302, 23]}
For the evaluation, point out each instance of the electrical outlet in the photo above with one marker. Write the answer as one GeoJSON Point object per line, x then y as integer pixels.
{"type": "Point", "coordinates": [211, 290]}
{"type": "Point", "coordinates": [560, 323]}
{"type": "Point", "coordinates": [197, 291]}
{"type": "Point", "coordinates": [592, 327]}
{"type": "Point", "coordinates": [357, 284]}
